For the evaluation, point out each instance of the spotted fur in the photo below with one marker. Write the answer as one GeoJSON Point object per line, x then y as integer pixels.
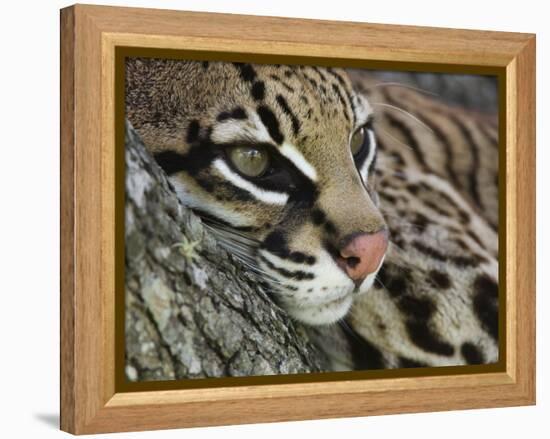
{"type": "Point", "coordinates": [429, 175]}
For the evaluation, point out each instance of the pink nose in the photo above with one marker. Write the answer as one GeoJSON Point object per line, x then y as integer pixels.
{"type": "Point", "coordinates": [363, 254]}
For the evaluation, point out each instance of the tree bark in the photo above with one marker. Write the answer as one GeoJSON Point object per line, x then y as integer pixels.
{"type": "Point", "coordinates": [192, 311]}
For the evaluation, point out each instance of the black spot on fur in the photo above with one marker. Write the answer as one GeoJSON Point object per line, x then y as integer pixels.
{"type": "Point", "coordinates": [475, 238]}
{"type": "Point", "coordinates": [421, 222]}
{"type": "Point", "coordinates": [311, 81]}
{"type": "Point", "coordinates": [317, 70]}
{"type": "Point", "coordinates": [258, 90]}
{"type": "Point", "coordinates": [436, 208]}
{"type": "Point", "coordinates": [417, 308]}
{"type": "Point", "coordinates": [276, 243]}
{"type": "Point", "coordinates": [461, 244]}
{"type": "Point", "coordinates": [398, 159]}
{"type": "Point", "coordinates": [298, 275]}
{"type": "Point", "coordinates": [269, 119]}
{"type": "Point", "coordinates": [302, 258]}
{"type": "Point", "coordinates": [205, 65]}
{"type": "Point", "coordinates": [408, 363]}
{"type": "Point", "coordinates": [365, 356]}
{"type": "Point", "coordinates": [236, 113]}
{"type": "Point", "coordinates": [466, 261]}
{"type": "Point", "coordinates": [390, 198]}
{"type": "Point", "coordinates": [246, 71]}
{"type": "Point", "coordinates": [171, 162]}
{"type": "Point", "coordinates": [464, 216]}
{"type": "Point", "coordinates": [430, 251]}
{"type": "Point", "coordinates": [318, 217]}
{"type": "Point", "coordinates": [439, 279]}
{"type": "Point", "coordinates": [193, 131]}
{"type": "Point", "coordinates": [419, 312]}
{"type": "Point", "coordinates": [297, 257]}
{"type": "Point", "coordinates": [425, 338]}
{"type": "Point", "coordinates": [207, 184]}
{"type": "Point", "coordinates": [486, 304]}
{"type": "Point", "coordinates": [396, 281]}
{"type": "Point", "coordinates": [471, 353]}
{"type": "Point", "coordinates": [330, 228]}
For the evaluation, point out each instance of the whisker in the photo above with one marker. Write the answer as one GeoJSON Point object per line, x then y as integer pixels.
{"type": "Point", "coordinates": [212, 223]}
{"type": "Point", "coordinates": [232, 232]}
{"type": "Point", "coordinates": [410, 87]}
{"type": "Point", "coordinates": [412, 116]}
{"type": "Point", "coordinates": [395, 139]}
{"type": "Point", "coordinates": [243, 247]}
{"type": "Point", "coordinates": [381, 283]}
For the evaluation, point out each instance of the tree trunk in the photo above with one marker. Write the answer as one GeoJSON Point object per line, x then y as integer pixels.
{"type": "Point", "coordinates": [192, 311]}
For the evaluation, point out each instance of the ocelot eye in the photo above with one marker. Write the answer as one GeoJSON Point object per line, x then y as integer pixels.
{"type": "Point", "coordinates": [358, 140]}
{"type": "Point", "coordinates": [249, 161]}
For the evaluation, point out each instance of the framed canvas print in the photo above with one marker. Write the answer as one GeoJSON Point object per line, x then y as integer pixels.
{"type": "Point", "coordinates": [273, 219]}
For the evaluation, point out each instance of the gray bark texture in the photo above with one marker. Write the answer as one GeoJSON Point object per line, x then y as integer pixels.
{"type": "Point", "coordinates": [192, 311]}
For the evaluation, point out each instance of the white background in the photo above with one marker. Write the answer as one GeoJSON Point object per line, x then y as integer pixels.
{"type": "Point", "coordinates": [29, 218]}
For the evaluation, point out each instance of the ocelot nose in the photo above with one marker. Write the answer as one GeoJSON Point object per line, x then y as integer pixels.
{"type": "Point", "coordinates": [362, 255]}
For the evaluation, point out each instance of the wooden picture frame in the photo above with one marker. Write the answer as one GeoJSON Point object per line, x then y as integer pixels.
{"type": "Point", "coordinates": [90, 36]}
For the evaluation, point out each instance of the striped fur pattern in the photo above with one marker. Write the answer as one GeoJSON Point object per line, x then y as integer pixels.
{"type": "Point", "coordinates": [426, 172]}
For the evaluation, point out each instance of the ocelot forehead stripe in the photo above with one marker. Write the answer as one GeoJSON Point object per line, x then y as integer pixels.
{"type": "Point", "coordinates": [269, 119]}
{"type": "Point", "coordinates": [248, 74]}
{"type": "Point", "coordinates": [277, 79]}
{"type": "Point", "coordinates": [286, 109]}
{"type": "Point", "coordinates": [246, 71]}
{"type": "Point", "coordinates": [345, 89]}
{"type": "Point", "coordinates": [342, 102]}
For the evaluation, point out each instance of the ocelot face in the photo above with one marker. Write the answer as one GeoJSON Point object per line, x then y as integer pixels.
{"type": "Point", "coordinates": [278, 161]}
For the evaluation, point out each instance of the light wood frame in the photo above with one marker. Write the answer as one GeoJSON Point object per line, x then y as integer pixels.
{"type": "Point", "coordinates": [89, 36]}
